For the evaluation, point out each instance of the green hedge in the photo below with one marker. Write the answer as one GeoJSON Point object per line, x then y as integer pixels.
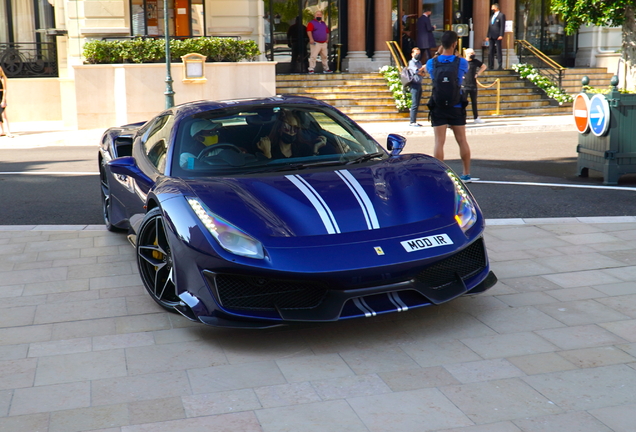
{"type": "Point", "coordinates": [153, 50]}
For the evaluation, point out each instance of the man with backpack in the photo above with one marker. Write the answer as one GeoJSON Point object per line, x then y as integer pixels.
{"type": "Point", "coordinates": [447, 104]}
{"type": "Point", "coordinates": [415, 72]}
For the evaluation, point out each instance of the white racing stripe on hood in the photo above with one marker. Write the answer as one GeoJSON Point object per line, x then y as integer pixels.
{"type": "Point", "coordinates": [363, 199]}
{"type": "Point", "coordinates": [316, 200]}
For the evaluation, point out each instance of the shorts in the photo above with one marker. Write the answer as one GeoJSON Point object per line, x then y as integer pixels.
{"type": "Point", "coordinates": [455, 116]}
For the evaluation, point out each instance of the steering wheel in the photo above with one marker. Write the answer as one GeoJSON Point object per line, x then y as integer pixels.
{"type": "Point", "coordinates": [220, 146]}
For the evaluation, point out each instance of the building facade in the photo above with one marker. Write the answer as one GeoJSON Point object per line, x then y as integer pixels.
{"type": "Point", "coordinates": [54, 31]}
{"type": "Point", "coordinates": [43, 39]}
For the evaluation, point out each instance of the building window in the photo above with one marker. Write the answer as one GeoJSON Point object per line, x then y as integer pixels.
{"type": "Point", "coordinates": [26, 47]}
{"type": "Point", "coordinates": [185, 18]}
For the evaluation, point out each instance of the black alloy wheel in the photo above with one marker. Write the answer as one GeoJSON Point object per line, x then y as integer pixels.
{"type": "Point", "coordinates": [155, 260]}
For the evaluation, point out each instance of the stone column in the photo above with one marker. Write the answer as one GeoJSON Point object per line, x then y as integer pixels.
{"type": "Point", "coordinates": [509, 7]}
{"type": "Point", "coordinates": [383, 33]}
{"type": "Point", "coordinates": [356, 60]}
{"type": "Point", "coordinates": [481, 20]}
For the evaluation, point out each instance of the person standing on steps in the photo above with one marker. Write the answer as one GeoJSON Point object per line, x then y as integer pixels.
{"type": "Point", "coordinates": [425, 37]}
{"type": "Point", "coordinates": [495, 37]}
{"type": "Point", "coordinates": [318, 33]}
{"type": "Point", "coordinates": [475, 68]}
{"type": "Point", "coordinates": [297, 40]}
{"type": "Point", "coordinates": [447, 104]}
{"type": "Point", "coordinates": [415, 65]}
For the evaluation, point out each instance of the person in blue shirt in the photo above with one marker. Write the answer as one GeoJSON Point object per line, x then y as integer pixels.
{"type": "Point", "coordinates": [453, 117]}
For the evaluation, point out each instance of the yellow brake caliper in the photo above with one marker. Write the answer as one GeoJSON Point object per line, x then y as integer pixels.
{"type": "Point", "coordinates": [155, 253]}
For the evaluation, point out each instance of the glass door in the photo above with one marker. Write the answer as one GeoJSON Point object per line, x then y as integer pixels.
{"type": "Point", "coordinates": [285, 31]}
{"type": "Point", "coordinates": [186, 18]}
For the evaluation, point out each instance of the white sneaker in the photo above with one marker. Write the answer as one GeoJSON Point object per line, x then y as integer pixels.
{"type": "Point", "coordinates": [478, 120]}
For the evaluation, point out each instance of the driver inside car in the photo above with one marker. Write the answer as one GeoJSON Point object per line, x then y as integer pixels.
{"type": "Point", "coordinates": [286, 139]}
{"type": "Point", "coordinates": [204, 134]}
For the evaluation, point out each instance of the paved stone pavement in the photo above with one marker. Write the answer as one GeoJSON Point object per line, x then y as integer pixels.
{"type": "Point", "coordinates": [552, 347]}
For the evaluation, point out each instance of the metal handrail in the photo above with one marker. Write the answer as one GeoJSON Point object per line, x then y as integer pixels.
{"type": "Point", "coordinates": [397, 55]}
{"type": "Point", "coordinates": [498, 82]}
{"type": "Point", "coordinates": [544, 64]}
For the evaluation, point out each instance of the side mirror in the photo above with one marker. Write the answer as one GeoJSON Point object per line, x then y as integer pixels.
{"type": "Point", "coordinates": [395, 144]}
{"type": "Point", "coordinates": [126, 166]}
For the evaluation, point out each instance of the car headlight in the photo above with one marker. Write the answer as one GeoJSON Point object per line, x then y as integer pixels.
{"type": "Point", "coordinates": [229, 237]}
{"type": "Point", "coordinates": [465, 212]}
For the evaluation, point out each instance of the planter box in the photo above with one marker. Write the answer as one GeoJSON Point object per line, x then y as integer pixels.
{"type": "Point", "coordinates": [613, 154]}
{"type": "Point", "coordinates": [109, 95]}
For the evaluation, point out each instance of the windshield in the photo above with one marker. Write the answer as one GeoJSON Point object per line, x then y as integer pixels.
{"type": "Point", "coordinates": [268, 138]}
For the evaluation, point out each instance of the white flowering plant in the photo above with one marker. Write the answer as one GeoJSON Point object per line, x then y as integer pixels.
{"type": "Point", "coordinates": [532, 74]}
{"type": "Point", "coordinates": [392, 76]}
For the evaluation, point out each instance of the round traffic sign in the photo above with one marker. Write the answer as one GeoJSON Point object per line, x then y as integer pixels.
{"type": "Point", "coordinates": [599, 115]}
{"type": "Point", "coordinates": [580, 109]}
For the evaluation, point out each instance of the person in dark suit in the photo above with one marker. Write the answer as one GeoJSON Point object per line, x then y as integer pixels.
{"type": "Point", "coordinates": [425, 37]}
{"type": "Point", "coordinates": [298, 41]}
{"type": "Point", "coordinates": [495, 37]}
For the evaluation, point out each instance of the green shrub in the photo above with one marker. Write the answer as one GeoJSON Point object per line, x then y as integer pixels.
{"type": "Point", "coordinates": [141, 50]}
{"type": "Point", "coordinates": [97, 52]}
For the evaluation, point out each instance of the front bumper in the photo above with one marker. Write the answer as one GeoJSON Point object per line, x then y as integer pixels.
{"type": "Point", "coordinates": [275, 301]}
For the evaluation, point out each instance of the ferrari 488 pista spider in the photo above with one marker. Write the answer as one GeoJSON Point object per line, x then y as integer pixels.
{"type": "Point", "coordinates": [261, 212]}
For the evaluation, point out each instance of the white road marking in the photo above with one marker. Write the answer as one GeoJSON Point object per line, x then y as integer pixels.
{"type": "Point", "coordinates": [564, 185]}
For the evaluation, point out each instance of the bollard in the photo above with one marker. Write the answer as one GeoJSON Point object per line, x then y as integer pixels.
{"type": "Point", "coordinates": [338, 48]}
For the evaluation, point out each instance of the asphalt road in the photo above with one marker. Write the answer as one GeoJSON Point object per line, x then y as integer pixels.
{"type": "Point", "coordinates": [65, 189]}
{"type": "Point", "coordinates": [542, 157]}
{"type": "Point", "coordinates": [46, 196]}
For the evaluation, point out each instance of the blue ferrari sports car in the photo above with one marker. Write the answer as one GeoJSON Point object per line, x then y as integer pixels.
{"type": "Point", "coordinates": [262, 212]}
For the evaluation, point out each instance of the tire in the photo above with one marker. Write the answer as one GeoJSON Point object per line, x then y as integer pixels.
{"type": "Point", "coordinates": [155, 260]}
{"type": "Point", "coordinates": [106, 202]}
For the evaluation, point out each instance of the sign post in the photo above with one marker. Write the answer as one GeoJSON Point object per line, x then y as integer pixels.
{"type": "Point", "coordinates": [580, 109]}
{"type": "Point", "coordinates": [599, 115]}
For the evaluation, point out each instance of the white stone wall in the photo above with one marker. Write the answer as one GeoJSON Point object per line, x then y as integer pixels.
{"type": "Point", "coordinates": [598, 45]}
{"type": "Point", "coordinates": [58, 99]}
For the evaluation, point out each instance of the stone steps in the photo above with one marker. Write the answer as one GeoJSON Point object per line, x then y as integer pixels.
{"type": "Point", "coordinates": [422, 115]}
{"type": "Point", "coordinates": [366, 97]}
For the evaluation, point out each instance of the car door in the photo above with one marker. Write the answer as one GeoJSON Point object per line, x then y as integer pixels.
{"type": "Point", "coordinates": [150, 150]}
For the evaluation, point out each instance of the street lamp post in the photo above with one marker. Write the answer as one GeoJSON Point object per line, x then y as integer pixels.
{"type": "Point", "coordinates": [166, 31]}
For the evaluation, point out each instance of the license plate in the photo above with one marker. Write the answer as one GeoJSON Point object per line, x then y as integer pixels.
{"type": "Point", "coordinates": [426, 242]}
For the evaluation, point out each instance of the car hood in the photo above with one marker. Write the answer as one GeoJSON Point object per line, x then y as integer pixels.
{"type": "Point", "coordinates": [330, 202]}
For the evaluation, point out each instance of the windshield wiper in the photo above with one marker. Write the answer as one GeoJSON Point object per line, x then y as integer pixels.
{"type": "Point", "coordinates": [365, 158]}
